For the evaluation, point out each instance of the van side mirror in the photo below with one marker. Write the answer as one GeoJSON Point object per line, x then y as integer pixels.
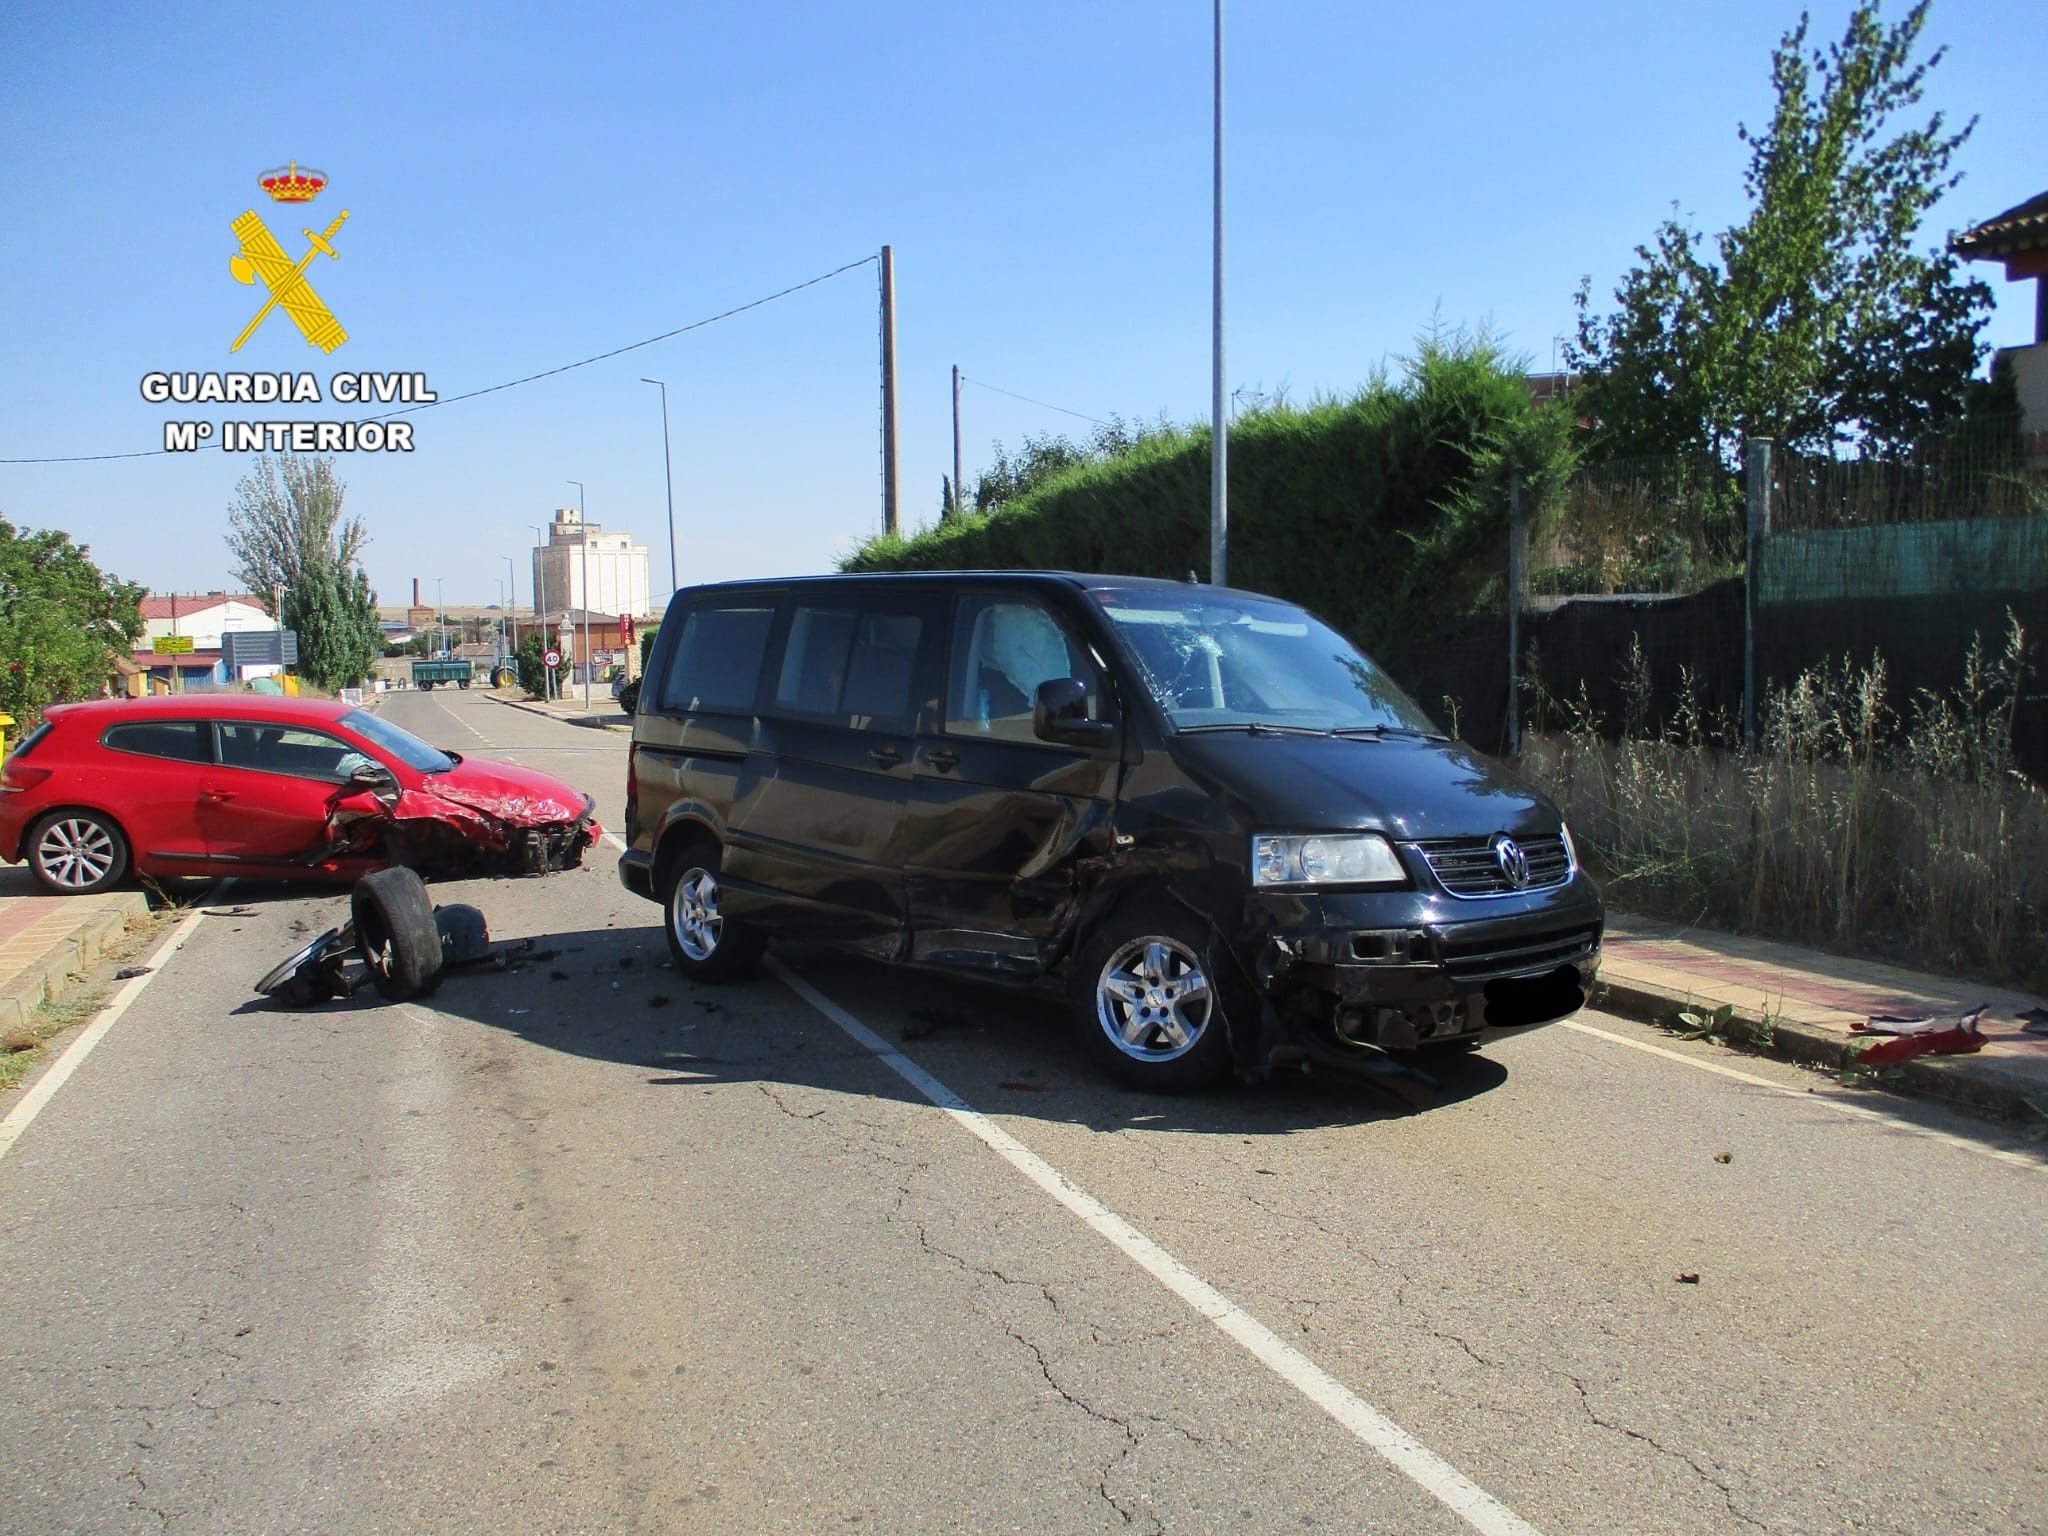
{"type": "Point", "coordinates": [1059, 712]}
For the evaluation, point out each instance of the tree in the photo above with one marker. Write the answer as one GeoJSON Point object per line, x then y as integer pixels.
{"type": "Point", "coordinates": [533, 667]}
{"type": "Point", "coordinates": [286, 531]}
{"type": "Point", "coordinates": [1816, 321]}
{"type": "Point", "coordinates": [62, 622]}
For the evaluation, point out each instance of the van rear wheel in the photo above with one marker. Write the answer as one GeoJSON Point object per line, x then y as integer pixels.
{"type": "Point", "coordinates": [705, 944]}
{"type": "Point", "coordinates": [1145, 1005]}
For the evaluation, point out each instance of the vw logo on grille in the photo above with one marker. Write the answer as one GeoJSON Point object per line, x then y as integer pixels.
{"type": "Point", "coordinates": [1514, 863]}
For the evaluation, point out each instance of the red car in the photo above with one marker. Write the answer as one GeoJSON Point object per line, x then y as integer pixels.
{"type": "Point", "coordinates": [274, 789]}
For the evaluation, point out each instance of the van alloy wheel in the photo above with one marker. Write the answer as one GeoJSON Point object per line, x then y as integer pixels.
{"type": "Point", "coordinates": [698, 927]}
{"type": "Point", "coordinates": [1153, 1000]}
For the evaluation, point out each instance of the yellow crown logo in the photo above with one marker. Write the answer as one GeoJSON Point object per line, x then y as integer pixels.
{"type": "Point", "coordinates": [289, 184]}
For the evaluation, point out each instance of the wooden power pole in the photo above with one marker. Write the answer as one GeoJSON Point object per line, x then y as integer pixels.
{"type": "Point", "coordinates": [891, 521]}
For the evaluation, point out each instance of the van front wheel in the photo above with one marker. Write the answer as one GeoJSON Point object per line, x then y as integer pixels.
{"type": "Point", "coordinates": [1145, 1004]}
{"type": "Point", "coordinates": [705, 944]}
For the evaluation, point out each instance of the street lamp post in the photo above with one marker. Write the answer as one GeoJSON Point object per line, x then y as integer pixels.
{"type": "Point", "coordinates": [583, 538]}
{"type": "Point", "coordinates": [1219, 428]}
{"type": "Point", "coordinates": [441, 614]}
{"type": "Point", "coordinates": [540, 617]}
{"type": "Point", "coordinates": [669, 473]}
{"type": "Point", "coordinates": [512, 578]}
{"type": "Point", "coordinates": [501, 626]}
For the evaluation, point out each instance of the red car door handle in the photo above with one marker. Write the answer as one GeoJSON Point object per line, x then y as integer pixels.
{"type": "Point", "coordinates": [219, 794]}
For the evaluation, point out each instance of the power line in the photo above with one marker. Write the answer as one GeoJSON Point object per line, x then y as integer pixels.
{"type": "Point", "coordinates": [491, 389]}
{"type": "Point", "coordinates": [1045, 404]}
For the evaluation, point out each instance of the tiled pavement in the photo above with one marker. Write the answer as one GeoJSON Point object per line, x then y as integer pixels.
{"type": "Point", "coordinates": [47, 941]}
{"type": "Point", "coordinates": [1807, 1001]}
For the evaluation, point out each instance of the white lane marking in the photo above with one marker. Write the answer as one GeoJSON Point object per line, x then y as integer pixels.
{"type": "Point", "coordinates": [1807, 1096]}
{"type": "Point", "coordinates": [616, 841]}
{"type": "Point", "coordinates": [1409, 1456]}
{"type": "Point", "coordinates": [46, 1086]}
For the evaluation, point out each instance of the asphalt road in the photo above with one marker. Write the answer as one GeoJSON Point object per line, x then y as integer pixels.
{"type": "Point", "coordinates": [586, 1248]}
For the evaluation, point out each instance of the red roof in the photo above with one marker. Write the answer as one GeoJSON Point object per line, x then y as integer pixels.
{"type": "Point", "coordinates": [190, 603]}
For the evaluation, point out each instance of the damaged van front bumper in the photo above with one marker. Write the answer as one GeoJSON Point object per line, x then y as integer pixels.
{"type": "Point", "coordinates": [1342, 980]}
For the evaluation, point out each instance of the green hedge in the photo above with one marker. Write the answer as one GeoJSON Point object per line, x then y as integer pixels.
{"type": "Point", "coordinates": [1385, 513]}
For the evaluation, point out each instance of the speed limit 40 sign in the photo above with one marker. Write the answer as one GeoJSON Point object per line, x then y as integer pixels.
{"type": "Point", "coordinates": [551, 659]}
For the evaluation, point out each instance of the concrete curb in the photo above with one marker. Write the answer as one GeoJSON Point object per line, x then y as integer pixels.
{"type": "Point", "coordinates": [65, 959]}
{"type": "Point", "coordinates": [1985, 1086]}
{"type": "Point", "coordinates": [588, 722]}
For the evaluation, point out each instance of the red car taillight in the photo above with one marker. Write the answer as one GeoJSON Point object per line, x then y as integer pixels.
{"type": "Point", "coordinates": [20, 776]}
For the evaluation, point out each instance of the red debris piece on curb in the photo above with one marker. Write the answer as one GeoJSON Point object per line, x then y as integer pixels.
{"type": "Point", "coordinates": [1946, 1035]}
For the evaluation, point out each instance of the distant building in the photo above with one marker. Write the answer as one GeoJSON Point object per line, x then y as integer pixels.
{"type": "Point", "coordinates": [582, 566]}
{"type": "Point", "coordinates": [203, 618]}
{"type": "Point", "coordinates": [2019, 238]}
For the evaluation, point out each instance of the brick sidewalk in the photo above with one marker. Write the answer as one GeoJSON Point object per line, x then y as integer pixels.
{"type": "Point", "coordinates": [1808, 1000]}
{"type": "Point", "coordinates": [47, 941]}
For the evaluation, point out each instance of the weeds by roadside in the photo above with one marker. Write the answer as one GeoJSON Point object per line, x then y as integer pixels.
{"type": "Point", "coordinates": [1909, 837]}
{"type": "Point", "coordinates": [21, 1046]}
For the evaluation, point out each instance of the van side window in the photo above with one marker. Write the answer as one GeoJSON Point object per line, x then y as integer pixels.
{"type": "Point", "coordinates": [884, 660]}
{"type": "Point", "coordinates": [717, 660]}
{"type": "Point", "coordinates": [1003, 648]}
{"type": "Point", "coordinates": [815, 659]}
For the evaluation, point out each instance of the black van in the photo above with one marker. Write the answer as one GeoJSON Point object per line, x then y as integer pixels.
{"type": "Point", "coordinates": [1226, 830]}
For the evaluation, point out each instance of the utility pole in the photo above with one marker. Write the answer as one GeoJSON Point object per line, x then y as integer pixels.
{"type": "Point", "coordinates": [891, 523]}
{"type": "Point", "coordinates": [512, 577]}
{"type": "Point", "coordinates": [668, 473]}
{"type": "Point", "coordinates": [1219, 429]}
{"type": "Point", "coordinates": [957, 500]}
{"type": "Point", "coordinates": [540, 605]}
{"type": "Point", "coordinates": [441, 614]}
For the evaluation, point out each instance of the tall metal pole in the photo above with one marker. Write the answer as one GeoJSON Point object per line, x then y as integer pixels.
{"type": "Point", "coordinates": [512, 576]}
{"type": "Point", "coordinates": [891, 522]}
{"type": "Point", "coordinates": [583, 537]}
{"type": "Point", "coordinates": [1219, 467]}
{"type": "Point", "coordinates": [669, 473]}
{"type": "Point", "coordinates": [957, 493]}
{"type": "Point", "coordinates": [441, 615]}
{"type": "Point", "coordinates": [540, 616]}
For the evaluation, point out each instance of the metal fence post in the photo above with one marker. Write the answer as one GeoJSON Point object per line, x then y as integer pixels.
{"type": "Point", "coordinates": [1756, 453]}
{"type": "Point", "coordinates": [1518, 576]}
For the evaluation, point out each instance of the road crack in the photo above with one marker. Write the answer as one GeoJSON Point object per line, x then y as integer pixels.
{"type": "Point", "coordinates": [1705, 1476]}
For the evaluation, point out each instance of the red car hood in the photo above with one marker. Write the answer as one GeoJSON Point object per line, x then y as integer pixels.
{"type": "Point", "coordinates": [524, 797]}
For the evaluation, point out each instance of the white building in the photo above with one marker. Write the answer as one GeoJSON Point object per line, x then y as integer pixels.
{"type": "Point", "coordinates": [203, 617]}
{"type": "Point", "coordinates": [582, 566]}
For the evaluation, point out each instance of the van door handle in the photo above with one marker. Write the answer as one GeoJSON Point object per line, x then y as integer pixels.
{"type": "Point", "coordinates": [944, 759]}
{"type": "Point", "coordinates": [888, 757]}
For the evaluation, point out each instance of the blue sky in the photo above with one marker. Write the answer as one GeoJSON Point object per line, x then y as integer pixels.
{"type": "Point", "coordinates": [531, 184]}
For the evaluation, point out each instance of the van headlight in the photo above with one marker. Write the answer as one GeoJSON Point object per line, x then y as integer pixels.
{"type": "Point", "coordinates": [1571, 849]}
{"type": "Point", "coordinates": [1331, 858]}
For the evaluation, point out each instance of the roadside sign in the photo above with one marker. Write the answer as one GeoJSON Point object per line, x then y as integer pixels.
{"type": "Point", "coordinates": [551, 659]}
{"type": "Point", "coordinates": [172, 645]}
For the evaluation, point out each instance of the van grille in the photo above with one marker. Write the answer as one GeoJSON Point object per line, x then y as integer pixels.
{"type": "Point", "coordinates": [1511, 954]}
{"type": "Point", "coordinates": [1468, 866]}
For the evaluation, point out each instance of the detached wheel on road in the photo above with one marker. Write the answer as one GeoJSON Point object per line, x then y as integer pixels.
{"type": "Point", "coordinates": [706, 944]}
{"type": "Point", "coordinates": [396, 932]}
{"type": "Point", "coordinates": [75, 853]}
{"type": "Point", "coordinates": [1145, 1004]}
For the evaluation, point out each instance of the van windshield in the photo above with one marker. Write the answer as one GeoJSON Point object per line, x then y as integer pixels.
{"type": "Point", "coordinates": [1224, 660]}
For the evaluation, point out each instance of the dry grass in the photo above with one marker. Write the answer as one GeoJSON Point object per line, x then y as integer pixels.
{"type": "Point", "coordinates": [1909, 837]}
